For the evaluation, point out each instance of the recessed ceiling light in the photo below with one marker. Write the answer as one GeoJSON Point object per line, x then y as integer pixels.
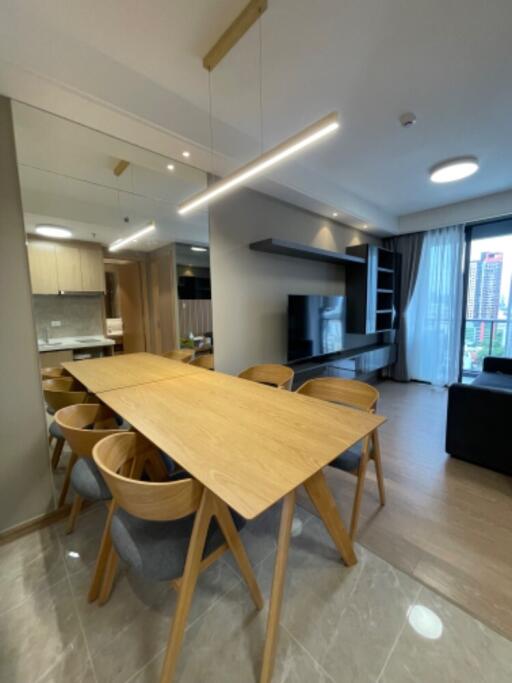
{"type": "Point", "coordinates": [454, 169]}
{"type": "Point", "coordinates": [133, 238]}
{"type": "Point", "coordinates": [334, 214]}
{"type": "Point", "coordinates": [365, 225]}
{"type": "Point", "coordinates": [170, 167]}
{"type": "Point", "coordinates": [185, 154]}
{"type": "Point", "coordinates": [53, 231]}
{"type": "Point", "coordinates": [198, 249]}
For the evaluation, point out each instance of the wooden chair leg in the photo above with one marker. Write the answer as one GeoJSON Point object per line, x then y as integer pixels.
{"type": "Point", "coordinates": [103, 555]}
{"type": "Point", "coordinates": [236, 546]}
{"type": "Point", "coordinates": [65, 485]}
{"type": "Point", "coordinates": [50, 439]}
{"type": "Point", "coordinates": [190, 574]}
{"type": "Point", "coordinates": [108, 577]}
{"type": "Point", "coordinates": [378, 466]}
{"type": "Point", "coordinates": [57, 451]}
{"type": "Point", "coordinates": [322, 498]}
{"type": "Point", "coordinates": [361, 477]}
{"type": "Point", "coordinates": [73, 515]}
{"type": "Point", "coordinates": [276, 596]}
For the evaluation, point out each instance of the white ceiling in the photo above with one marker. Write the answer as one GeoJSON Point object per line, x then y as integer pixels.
{"type": "Point", "coordinates": [449, 61]}
{"type": "Point", "coordinates": [67, 179]}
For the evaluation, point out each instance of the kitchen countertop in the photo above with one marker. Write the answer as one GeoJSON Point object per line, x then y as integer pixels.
{"type": "Point", "coordinates": [65, 343]}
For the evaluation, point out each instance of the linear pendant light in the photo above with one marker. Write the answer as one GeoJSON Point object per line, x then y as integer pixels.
{"type": "Point", "coordinates": [121, 242]}
{"type": "Point", "coordinates": [292, 145]}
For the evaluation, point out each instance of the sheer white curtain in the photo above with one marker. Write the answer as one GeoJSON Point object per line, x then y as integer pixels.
{"type": "Point", "coordinates": [434, 314]}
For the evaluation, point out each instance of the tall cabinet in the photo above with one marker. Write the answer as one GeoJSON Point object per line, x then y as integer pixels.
{"type": "Point", "coordinates": [372, 290]}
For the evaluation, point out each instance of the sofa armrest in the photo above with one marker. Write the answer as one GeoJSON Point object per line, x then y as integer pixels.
{"type": "Point", "coordinates": [495, 364]}
{"type": "Point", "coordinates": [477, 424]}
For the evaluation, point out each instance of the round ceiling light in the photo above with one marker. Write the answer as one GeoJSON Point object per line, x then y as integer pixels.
{"type": "Point", "coordinates": [170, 167]}
{"type": "Point", "coordinates": [53, 231]}
{"type": "Point", "coordinates": [454, 169]}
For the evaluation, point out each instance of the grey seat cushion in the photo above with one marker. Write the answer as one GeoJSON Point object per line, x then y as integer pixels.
{"type": "Point", "coordinates": [157, 550]}
{"type": "Point", "coordinates": [56, 431]}
{"type": "Point", "coordinates": [349, 460]}
{"type": "Point", "coordinates": [50, 410]}
{"type": "Point", "coordinates": [87, 481]}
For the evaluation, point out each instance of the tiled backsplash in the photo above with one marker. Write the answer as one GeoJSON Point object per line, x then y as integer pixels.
{"type": "Point", "coordinates": [79, 315]}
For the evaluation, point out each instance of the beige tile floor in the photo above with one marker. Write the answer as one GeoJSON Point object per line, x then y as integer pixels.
{"type": "Point", "coordinates": [338, 625]}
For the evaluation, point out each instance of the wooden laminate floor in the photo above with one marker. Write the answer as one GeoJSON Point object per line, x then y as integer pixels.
{"type": "Point", "coordinates": [447, 523]}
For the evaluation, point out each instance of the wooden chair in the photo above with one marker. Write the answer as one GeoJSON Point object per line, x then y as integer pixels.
{"type": "Point", "coordinates": [364, 397]}
{"type": "Point", "coordinates": [53, 372]}
{"type": "Point", "coordinates": [59, 393]}
{"type": "Point", "coordinates": [164, 531]}
{"type": "Point", "coordinates": [205, 361]}
{"type": "Point", "coordinates": [272, 374]}
{"type": "Point", "coordinates": [182, 355]}
{"type": "Point", "coordinates": [82, 426]}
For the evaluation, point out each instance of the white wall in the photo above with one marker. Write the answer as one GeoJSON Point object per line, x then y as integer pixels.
{"type": "Point", "coordinates": [250, 289]}
{"type": "Point", "coordinates": [482, 208]}
{"type": "Point", "coordinates": [25, 480]}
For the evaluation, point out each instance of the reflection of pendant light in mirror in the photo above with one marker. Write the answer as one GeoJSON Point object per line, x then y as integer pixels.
{"type": "Point", "coordinates": [305, 138]}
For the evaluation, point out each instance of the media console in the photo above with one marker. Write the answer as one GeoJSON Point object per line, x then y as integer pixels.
{"type": "Point", "coordinates": [362, 363]}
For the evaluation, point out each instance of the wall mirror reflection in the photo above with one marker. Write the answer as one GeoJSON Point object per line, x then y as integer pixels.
{"type": "Point", "coordinates": [114, 268]}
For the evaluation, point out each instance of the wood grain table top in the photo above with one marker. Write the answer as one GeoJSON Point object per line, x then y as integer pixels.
{"type": "Point", "coordinates": [248, 443]}
{"type": "Point", "coordinates": [126, 370]}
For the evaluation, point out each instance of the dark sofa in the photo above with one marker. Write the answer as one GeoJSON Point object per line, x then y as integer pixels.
{"type": "Point", "coordinates": [480, 417]}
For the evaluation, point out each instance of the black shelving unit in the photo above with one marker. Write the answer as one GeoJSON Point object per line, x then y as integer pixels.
{"type": "Point", "coordinates": [296, 250]}
{"type": "Point", "coordinates": [371, 291]}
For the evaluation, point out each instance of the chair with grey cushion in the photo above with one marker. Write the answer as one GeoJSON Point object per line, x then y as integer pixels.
{"type": "Point", "coordinates": [167, 531]}
{"type": "Point", "coordinates": [354, 461]}
{"type": "Point", "coordinates": [83, 425]}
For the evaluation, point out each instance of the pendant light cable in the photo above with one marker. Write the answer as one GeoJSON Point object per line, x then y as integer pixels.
{"type": "Point", "coordinates": [261, 83]}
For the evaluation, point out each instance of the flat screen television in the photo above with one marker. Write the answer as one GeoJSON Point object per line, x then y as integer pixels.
{"type": "Point", "coordinates": [316, 325]}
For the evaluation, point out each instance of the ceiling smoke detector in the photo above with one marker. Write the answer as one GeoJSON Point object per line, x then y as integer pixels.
{"type": "Point", "coordinates": [408, 119]}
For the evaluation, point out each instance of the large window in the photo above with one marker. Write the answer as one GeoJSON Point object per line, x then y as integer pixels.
{"type": "Point", "coordinates": [488, 319]}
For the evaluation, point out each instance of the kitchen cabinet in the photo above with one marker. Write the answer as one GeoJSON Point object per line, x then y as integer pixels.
{"type": "Point", "coordinates": [42, 262]}
{"type": "Point", "coordinates": [50, 359]}
{"type": "Point", "coordinates": [56, 267]}
{"type": "Point", "coordinates": [69, 274]}
{"type": "Point", "coordinates": [92, 268]}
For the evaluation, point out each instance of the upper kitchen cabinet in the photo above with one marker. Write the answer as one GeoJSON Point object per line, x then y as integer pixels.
{"type": "Point", "coordinates": [92, 268]}
{"type": "Point", "coordinates": [43, 267]}
{"type": "Point", "coordinates": [56, 267]}
{"type": "Point", "coordinates": [69, 270]}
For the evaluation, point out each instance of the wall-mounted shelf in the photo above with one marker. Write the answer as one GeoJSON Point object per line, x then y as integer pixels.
{"type": "Point", "coordinates": [285, 248]}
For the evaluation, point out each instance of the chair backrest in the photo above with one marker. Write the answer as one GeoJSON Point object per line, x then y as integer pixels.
{"type": "Point", "coordinates": [183, 355]}
{"type": "Point", "coordinates": [84, 424]}
{"type": "Point", "coordinates": [205, 361]}
{"type": "Point", "coordinates": [53, 372]}
{"type": "Point", "coordinates": [273, 374]}
{"type": "Point", "coordinates": [63, 391]}
{"type": "Point", "coordinates": [158, 501]}
{"type": "Point", "coordinates": [349, 392]}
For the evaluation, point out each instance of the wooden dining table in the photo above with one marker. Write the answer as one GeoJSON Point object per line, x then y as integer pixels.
{"type": "Point", "coordinates": [126, 370]}
{"type": "Point", "coordinates": [251, 446]}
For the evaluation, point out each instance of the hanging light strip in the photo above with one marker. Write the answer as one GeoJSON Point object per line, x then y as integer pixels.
{"type": "Point", "coordinates": [120, 243]}
{"type": "Point", "coordinates": [306, 137]}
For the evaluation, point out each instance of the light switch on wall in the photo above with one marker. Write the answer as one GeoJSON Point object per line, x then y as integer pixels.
{"type": "Point", "coordinates": [55, 323]}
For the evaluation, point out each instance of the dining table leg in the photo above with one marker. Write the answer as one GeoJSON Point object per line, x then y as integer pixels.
{"type": "Point", "coordinates": [323, 500]}
{"type": "Point", "coordinates": [276, 596]}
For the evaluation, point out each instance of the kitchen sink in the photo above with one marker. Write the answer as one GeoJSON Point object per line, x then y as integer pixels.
{"type": "Point", "coordinates": [87, 341]}
{"type": "Point", "coordinates": [50, 343]}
